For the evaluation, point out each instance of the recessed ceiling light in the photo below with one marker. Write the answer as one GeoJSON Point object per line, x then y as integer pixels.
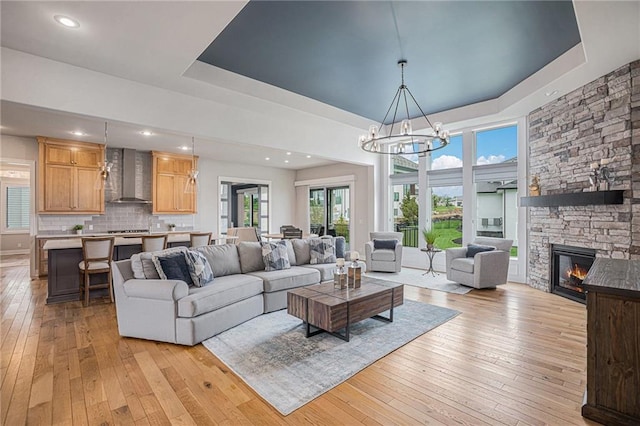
{"type": "Point", "coordinates": [267, 158]}
{"type": "Point", "coordinates": [308, 156]}
{"type": "Point", "coordinates": [146, 133]}
{"type": "Point", "coordinates": [184, 148]}
{"type": "Point", "coordinates": [286, 161]}
{"type": "Point", "coordinates": [288, 153]}
{"type": "Point", "coordinates": [66, 21]}
{"type": "Point", "coordinates": [78, 133]}
{"type": "Point", "coordinates": [553, 92]}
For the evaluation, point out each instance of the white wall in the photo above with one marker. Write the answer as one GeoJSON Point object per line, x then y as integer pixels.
{"type": "Point", "coordinates": [281, 191]}
{"type": "Point", "coordinates": [363, 197]}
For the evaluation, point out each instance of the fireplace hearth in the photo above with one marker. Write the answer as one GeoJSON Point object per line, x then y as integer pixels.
{"type": "Point", "coordinates": [569, 267]}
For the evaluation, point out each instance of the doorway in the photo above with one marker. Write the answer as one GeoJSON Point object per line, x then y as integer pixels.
{"type": "Point", "coordinates": [244, 205]}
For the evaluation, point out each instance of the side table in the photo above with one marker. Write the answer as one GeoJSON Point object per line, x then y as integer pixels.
{"type": "Point", "coordinates": [430, 254]}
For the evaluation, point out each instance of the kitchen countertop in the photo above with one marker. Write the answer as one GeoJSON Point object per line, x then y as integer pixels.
{"type": "Point", "coordinates": [102, 234]}
{"type": "Point", "coordinates": [130, 239]}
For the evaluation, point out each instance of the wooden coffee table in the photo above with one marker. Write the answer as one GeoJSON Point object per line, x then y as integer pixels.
{"type": "Point", "coordinates": [329, 310]}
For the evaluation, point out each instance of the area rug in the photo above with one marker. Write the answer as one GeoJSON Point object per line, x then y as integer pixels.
{"type": "Point", "coordinates": [414, 277]}
{"type": "Point", "coordinates": [271, 354]}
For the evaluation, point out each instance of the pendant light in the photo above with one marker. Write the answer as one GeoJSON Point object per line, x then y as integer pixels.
{"type": "Point", "coordinates": [192, 181]}
{"type": "Point", "coordinates": [104, 181]}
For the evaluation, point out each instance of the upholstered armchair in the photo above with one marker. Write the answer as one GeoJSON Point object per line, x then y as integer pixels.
{"type": "Point", "coordinates": [384, 252]}
{"type": "Point", "coordinates": [476, 267]}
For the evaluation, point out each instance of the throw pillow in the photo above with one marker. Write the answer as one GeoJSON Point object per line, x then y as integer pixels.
{"type": "Point", "coordinates": [384, 244]}
{"type": "Point", "coordinates": [275, 256]}
{"type": "Point", "coordinates": [322, 250]}
{"type": "Point", "coordinates": [473, 249]}
{"type": "Point", "coordinates": [173, 266]}
{"type": "Point", "coordinates": [142, 264]}
{"type": "Point", "coordinates": [340, 244]}
{"type": "Point", "coordinates": [199, 268]}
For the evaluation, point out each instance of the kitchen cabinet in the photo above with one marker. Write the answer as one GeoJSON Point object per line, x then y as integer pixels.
{"type": "Point", "coordinates": [68, 171]}
{"type": "Point", "coordinates": [170, 176]}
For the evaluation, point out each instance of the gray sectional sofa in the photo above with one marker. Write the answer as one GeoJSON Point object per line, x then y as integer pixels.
{"type": "Point", "coordinates": [171, 311]}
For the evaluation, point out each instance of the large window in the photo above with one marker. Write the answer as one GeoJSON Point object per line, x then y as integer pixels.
{"type": "Point", "coordinates": [16, 203]}
{"type": "Point", "coordinates": [405, 213]}
{"type": "Point", "coordinates": [446, 215]}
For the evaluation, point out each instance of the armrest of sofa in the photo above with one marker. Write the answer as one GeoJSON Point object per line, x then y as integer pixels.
{"type": "Point", "coordinates": [491, 267]}
{"type": "Point", "coordinates": [454, 253]}
{"type": "Point", "coordinates": [156, 289]}
{"type": "Point", "coordinates": [368, 249]}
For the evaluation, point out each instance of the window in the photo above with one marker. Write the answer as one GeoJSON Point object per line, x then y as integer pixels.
{"type": "Point", "coordinates": [16, 202]}
{"type": "Point", "coordinates": [329, 211]}
{"type": "Point", "coordinates": [446, 215]}
{"type": "Point", "coordinates": [405, 213]}
{"type": "Point", "coordinates": [497, 145]}
{"type": "Point", "coordinates": [449, 157]}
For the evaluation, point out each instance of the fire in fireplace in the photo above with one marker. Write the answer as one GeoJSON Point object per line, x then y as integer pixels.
{"type": "Point", "coordinates": [570, 266]}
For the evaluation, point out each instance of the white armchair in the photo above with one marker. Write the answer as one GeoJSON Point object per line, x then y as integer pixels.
{"type": "Point", "coordinates": [384, 259]}
{"type": "Point", "coordinates": [484, 270]}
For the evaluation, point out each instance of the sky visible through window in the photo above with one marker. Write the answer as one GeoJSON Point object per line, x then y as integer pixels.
{"type": "Point", "coordinates": [492, 146]}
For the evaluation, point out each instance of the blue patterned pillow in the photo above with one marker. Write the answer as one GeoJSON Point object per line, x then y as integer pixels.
{"type": "Point", "coordinates": [199, 268]}
{"type": "Point", "coordinates": [322, 250]}
{"type": "Point", "coordinates": [275, 256]}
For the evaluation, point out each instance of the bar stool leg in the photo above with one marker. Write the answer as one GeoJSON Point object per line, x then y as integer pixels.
{"type": "Point", "coordinates": [110, 284]}
{"type": "Point", "coordinates": [86, 288]}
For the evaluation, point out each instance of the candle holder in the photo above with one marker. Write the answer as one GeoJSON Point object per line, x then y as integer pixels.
{"type": "Point", "coordinates": [354, 275]}
{"type": "Point", "coordinates": [339, 279]}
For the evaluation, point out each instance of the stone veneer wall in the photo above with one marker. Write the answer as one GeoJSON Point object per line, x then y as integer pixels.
{"type": "Point", "coordinates": [119, 216]}
{"type": "Point", "coordinates": [599, 121]}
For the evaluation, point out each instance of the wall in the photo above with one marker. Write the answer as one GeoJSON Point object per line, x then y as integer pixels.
{"type": "Point", "coordinates": [21, 149]}
{"type": "Point", "coordinates": [362, 214]}
{"type": "Point", "coordinates": [600, 120]}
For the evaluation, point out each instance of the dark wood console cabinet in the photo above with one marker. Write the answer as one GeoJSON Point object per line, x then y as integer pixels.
{"type": "Point", "coordinates": [613, 342]}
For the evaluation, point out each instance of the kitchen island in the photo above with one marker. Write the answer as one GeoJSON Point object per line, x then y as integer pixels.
{"type": "Point", "coordinates": [64, 255]}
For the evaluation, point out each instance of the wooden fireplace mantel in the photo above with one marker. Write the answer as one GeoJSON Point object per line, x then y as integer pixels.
{"type": "Point", "coordinates": [574, 199]}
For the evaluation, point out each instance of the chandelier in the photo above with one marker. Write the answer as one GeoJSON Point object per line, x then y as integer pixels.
{"type": "Point", "coordinates": [104, 181]}
{"type": "Point", "coordinates": [403, 141]}
{"type": "Point", "coordinates": [191, 185]}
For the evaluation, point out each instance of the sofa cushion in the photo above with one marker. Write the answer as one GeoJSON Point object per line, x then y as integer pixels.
{"type": "Point", "coordinates": [142, 264]}
{"type": "Point", "coordinates": [340, 245]}
{"type": "Point", "coordinates": [326, 270]}
{"type": "Point", "coordinates": [385, 255]}
{"type": "Point", "coordinates": [322, 250]}
{"type": "Point", "coordinates": [302, 251]}
{"type": "Point", "coordinates": [291, 252]}
{"type": "Point", "coordinates": [473, 249]}
{"type": "Point", "coordinates": [463, 264]}
{"type": "Point", "coordinates": [222, 292]}
{"type": "Point", "coordinates": [285, 279]}
{"type": "Point", "coordinates": [250, 256]}
{"type": "Point", "coordinates": [275, 256]}
{"type": "Point", "coordinates": [173, 266]}
{"type": "Point", "coordinates": [199, 268]}
{"type": "Point", "coordinates": [384, 244]}
{"type": "Point", "coordinates": [223, 258]}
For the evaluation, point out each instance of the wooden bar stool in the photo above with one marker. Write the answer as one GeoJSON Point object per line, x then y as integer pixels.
{"type": "Point", "coordinates": [154, 242]}
{"type": "Point", "coordinates": [199, 239]}
{"type": "Point", "coordinates": [97, 254]}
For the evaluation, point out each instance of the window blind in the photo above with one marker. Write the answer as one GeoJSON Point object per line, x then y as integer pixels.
{"type": "Point", "coordinates": [17, 202]}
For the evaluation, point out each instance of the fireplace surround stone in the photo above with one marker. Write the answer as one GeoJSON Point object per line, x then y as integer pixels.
{"type": "Point", "coordinates": [600, 120]}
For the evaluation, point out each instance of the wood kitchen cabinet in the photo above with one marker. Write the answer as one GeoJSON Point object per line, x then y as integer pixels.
{"type": "Point", "coordinates": [170, 176]}
{"type": "Point", "coordinates": [67, 174]}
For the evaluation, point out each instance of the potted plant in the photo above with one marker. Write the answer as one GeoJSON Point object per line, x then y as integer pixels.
{"type": "Point", "coordinates": [172, 227]}
{"type": "Point", "coordinates": [78, 229]}
{"type": "Point", "coordinates": [430, 237]}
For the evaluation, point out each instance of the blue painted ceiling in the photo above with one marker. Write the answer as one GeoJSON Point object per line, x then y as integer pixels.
{"type": "Point", "coordinates": [345, 53]}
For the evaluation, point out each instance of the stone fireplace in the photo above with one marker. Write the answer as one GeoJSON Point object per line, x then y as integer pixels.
{"type": "Point", "coordinates": [599, 121]}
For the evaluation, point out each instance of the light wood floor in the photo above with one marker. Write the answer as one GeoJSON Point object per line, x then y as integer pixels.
{"type": "Point", "coordinates": [514, 356]}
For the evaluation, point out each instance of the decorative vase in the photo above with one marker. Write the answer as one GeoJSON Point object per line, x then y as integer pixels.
{"type": "Point", "coordinates": [172, 228]}
{"type": "Point", "coordinates": [79, 231]}
{"type": "Point", "coordinates": [429, 246]}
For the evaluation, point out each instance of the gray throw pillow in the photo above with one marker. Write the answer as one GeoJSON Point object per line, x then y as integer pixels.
{"type": "Point", "coordinates": [250, 257]}
{"type": "Point", "coordinates": [473, 249]}
{"type": "Point", "coordinates": [275, 256]}
{"type": "Point", "coordinates": [322, 250]}
{"type": "Point", "coordinates": [340, 245]}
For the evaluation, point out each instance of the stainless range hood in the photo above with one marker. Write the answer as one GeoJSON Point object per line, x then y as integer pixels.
{"type": "Point", "coordinates": [128, 174]}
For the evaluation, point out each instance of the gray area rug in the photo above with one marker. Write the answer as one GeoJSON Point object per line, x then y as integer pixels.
{"type": "Point", "coordinates": [271, 354]}
{"type": "Point", "coordinates": [414, 277]}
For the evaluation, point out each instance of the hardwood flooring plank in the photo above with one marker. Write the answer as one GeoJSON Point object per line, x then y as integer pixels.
{"type": "Point", "coordinates": [515, 356]}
